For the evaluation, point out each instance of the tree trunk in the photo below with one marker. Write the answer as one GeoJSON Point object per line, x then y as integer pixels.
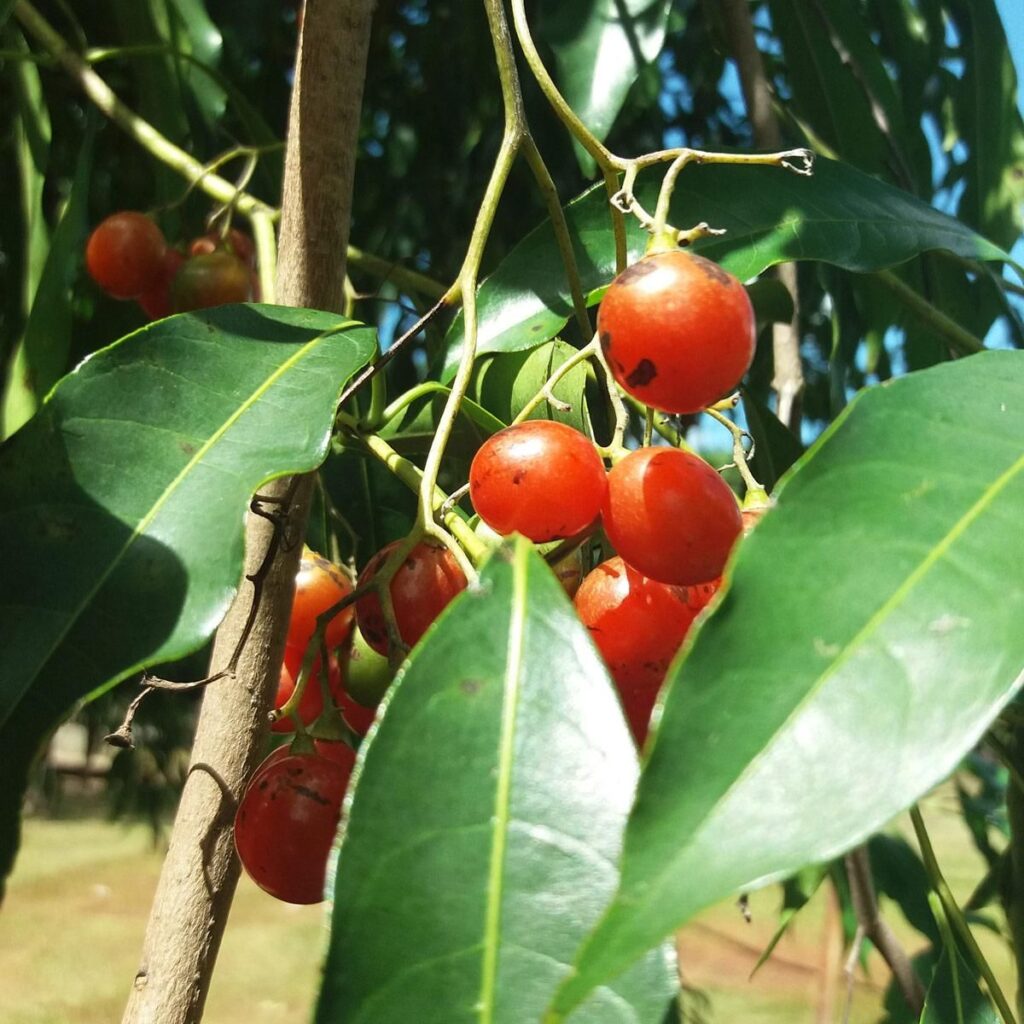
{"type": "Point", "coordinates": [199, 876]}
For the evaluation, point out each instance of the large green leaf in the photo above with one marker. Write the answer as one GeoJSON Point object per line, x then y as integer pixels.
{"type": "Point", "coordinates": [124, 500]}
{"type": "Point", "coordinates": [601, 46]}
{"type": "Point", "coordinates": [480, 845]}
{"type": "Point", "coordinates": [838, 215]}
{"type": "Point", "coordinates": [955, 996]}
{"type": "Point", "coordinates": [870, 634]}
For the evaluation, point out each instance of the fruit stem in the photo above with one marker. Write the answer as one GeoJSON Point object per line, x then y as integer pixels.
{"type": "Point", "coordinates": [477, 413]}
{"type": "Point", "coordinates": [739, 453]}
{"type": "Point", "coordinates": [547, 393]}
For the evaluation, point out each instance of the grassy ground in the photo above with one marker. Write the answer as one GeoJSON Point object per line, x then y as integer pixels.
{"type": "Point", "coordinates": [71, 929]}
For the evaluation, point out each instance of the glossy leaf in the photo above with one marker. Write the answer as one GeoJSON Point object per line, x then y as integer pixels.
{"type": "Point", "coordinates": [124, 501]}
{"type": "Point", "coordinates": [480, 844]}
{"type": "Point", "coordinates": [601, 46]}
{"type": "Point", "coordinates": [838, 216]}
{"type": "Point", "coordinates": [870, 634]}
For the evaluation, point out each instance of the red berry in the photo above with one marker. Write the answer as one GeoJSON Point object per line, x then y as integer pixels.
{"type": "Point", "coordinates": [213, 279]}
{"type": "Point", "coordinates": [424, 584]}
{"type": "Point", "coordinates": [286, 823]}
{"type": "Point", "coordinates": [671, 516]}
{"type": "Point", "coordinates": [238, 243]}
{"type": "Point", "coordinates": [125, 254]}
{"type": "Point", "coordinates": [677, 330]}
{"type": "Point", "coordinates": [638, 625]}
{"type": "Point", "coordinates": [156, 301]}
{"type": "Point", "coordinates": [539, 478]}
{"type": "Point", "coordinates": [319, 585]}
{"type": "Point", "coordinates": [312, 704]}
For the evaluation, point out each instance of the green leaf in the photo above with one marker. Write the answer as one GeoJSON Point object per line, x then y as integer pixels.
{"type": "Point", "coordinates": [990, 123]}
{"type": "Point", "coordinates": [900, 875]}
{"type": "Point", "coordinates": [41, 356]}
{"type": "Point", "coordinates": [505, 383]}
{"type": "Point", "coordinates": [601, 46]}
{"type": "Point", "coordinates": [775, 446]}
{"type": "Point", "coordinates": [491, 798]}
{"type": "Point", "coordinates": [124, 500]}
{"type": "Point", "coordinates": [870, 633]}
{"type": "Point", "coordinates": [187, 26]}
{"type": "Point", "coordinates": [956, 998]}
{"type": "Point", "coordinates": [838, 215]}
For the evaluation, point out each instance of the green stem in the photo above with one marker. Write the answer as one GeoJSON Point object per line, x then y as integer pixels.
{"type": "Point", "coordinates": [949, 943]}
{"type": "Point", "coordinates": [266, 252]}
{"type": "Point", "coordinates": [961, 341]}
{"type": "Point", "coordinates": [589, 351]}
{"type": "Point", "coordinates": [956, 917]}
{"type": "Point", "coordinates": [602, 156]}
{"type": "Point", "coordinates": [739, 453]}
{"type": "Point", "coordinates": [560, 227]}
{"type": "Point", "coordinates": [385, 270]}
{"type": "Point", "coordinates": [477, 413]}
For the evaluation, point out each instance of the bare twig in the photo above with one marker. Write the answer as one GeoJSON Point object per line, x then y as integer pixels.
{"type": "Point", "coordinates": [865, 906]}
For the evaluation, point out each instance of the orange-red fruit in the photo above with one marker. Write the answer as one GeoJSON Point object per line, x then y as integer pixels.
{"type": "Point", "coordinates": [212, 279]}
{"type": "Point", "coordinates": [319, 585]}
{"type": "Point", "coordinates": [539, 478]}
{"type": "Point", "coordinates": [677, 330]}
{"type": "Point", "coordinates": [286, 823]}
{"type": "Point", "coordinates": [156, 301]}
{"type": "Point", "coordinates": [424, 584]}
{"type": "Point", "coordinates": [638, 625]}
{"type": "Point", "coordinates": [125, 254]}
{"type": "Point", "coordinates": [671, 516]}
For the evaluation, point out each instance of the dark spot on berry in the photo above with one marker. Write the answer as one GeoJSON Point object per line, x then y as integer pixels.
{"type": "Point", "coordinates": [644, 372]}
{"type": "Point", "coordinates": [714, 271]}
{"type": "Point", "coordinates": [311, 794]}
{"type": "Point", "coordinates": [606, 341]}
{"type": "Point", "coordinates": [633, 273]}
{"type": "Point", "coordinates": [262, 785]}
{"type": "Point", "coordinates": [517, 477]}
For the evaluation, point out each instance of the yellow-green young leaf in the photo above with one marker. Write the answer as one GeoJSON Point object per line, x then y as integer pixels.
{"type": "Point", "coordinates": [481, 842]}
{"type": "Point", "coordinates": [870, 633]}
{"type": "Point", "coordinates": [124, 501]}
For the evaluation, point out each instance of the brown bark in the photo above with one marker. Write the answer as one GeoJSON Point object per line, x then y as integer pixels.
{"type": "Point", "coordinates": [197, 883]}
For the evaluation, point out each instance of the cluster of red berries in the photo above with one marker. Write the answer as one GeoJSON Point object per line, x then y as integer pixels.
{"type": "Point", "coordinates": [128, 256]}
{"type": "Point", "coordinates": [678, 333]}
{"type": "Point", "coordinates": [668, 514]}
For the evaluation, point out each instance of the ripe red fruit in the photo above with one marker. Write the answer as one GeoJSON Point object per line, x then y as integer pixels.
{"type": "Point", "coordinates": [125, 254]}
{"type": "Point", "coordinates": [671, 516]}
{"type": "Point", "coordinates": [286, 823]}
{"type": "Point", "coordinates": [539, 478]}
{"type": "Point", "coordinates": [319, 585]}
{"type": "Point", "coordinates": [638, 625]}
{"type": "Point", "coordinates": [311, 705]}
{"type": "Point", "coordinates": [424, 584]}
{"type": "Point", "coordinates": [156, 301]}
{"type": "Point", "coordinates": [213, 279]}
{"type": "Point", "coordinates": [677, 330]}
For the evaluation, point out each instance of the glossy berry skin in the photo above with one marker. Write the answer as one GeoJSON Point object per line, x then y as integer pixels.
{"type": "Point", "coordinates": [125, 254]}
{"type": "Point", "coordinates": [286, 823]}
{"type": "Point", "coordinates": [156, 301]}
{"type": "Point", "coordinates": [211, 279]}
{"type": "Point", "coordinates": [671, 516]}
{"type": "Point", "coordinates": [423, 586]}
{"type": "Point", "coordinates": [312, 704]}
{"type": "Point", "coordinates": [677, 330]}
{"type": "Point", "coordinates": [538, 478]}
{"type": "Point", "coordinates": [638, 625]}
{"type": "Point", "coordinates": [319, 585]}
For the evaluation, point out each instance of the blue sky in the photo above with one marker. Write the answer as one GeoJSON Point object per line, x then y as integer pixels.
{"type": "Point", "coordinates": [1012, 13]}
